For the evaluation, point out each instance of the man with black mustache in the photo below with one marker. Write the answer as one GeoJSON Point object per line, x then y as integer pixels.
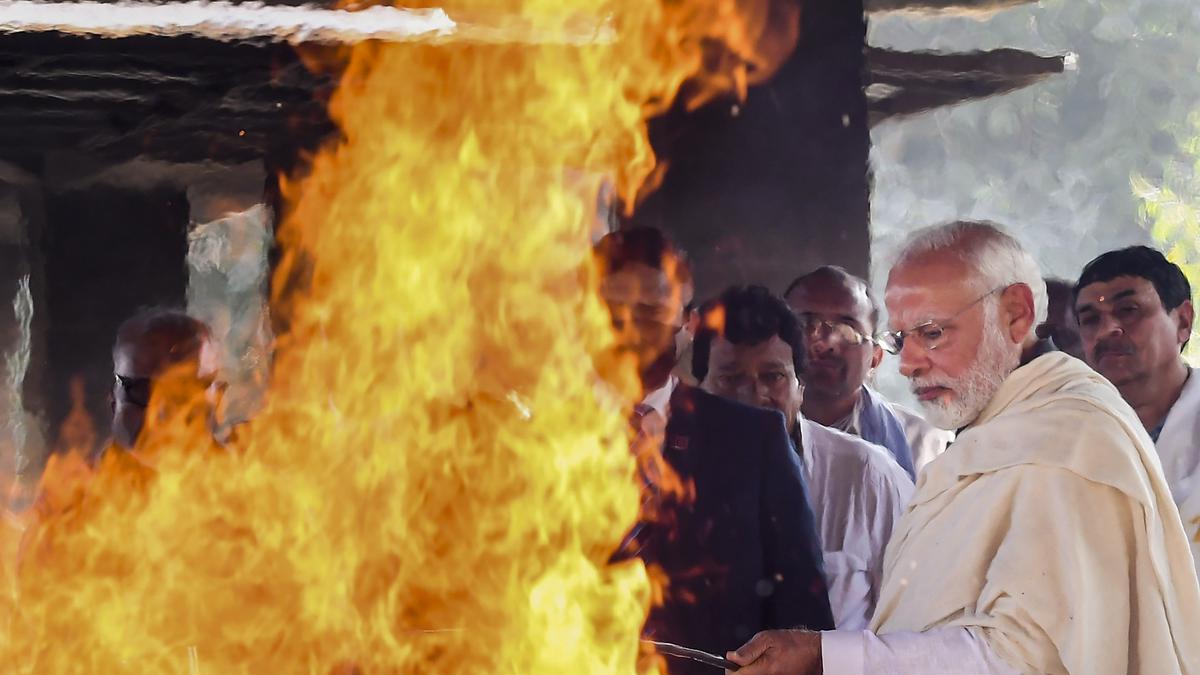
{"type": "Point", "coordinates": [1135, 317]}
{"type": "Point", "coordinates": [750, 348]}
{"type": "Point", "coordinates": [840, 317]}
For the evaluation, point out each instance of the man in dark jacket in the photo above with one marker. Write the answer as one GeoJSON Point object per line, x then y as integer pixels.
{"type": "Point", "coordinates": [741, 552]}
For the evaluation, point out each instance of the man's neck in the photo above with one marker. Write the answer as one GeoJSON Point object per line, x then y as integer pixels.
{"type": "Point", "coordinates": [795, 431]}
{"type": "Point", "coordinates": [1034, 347]}
{"type": "Point", "coordinates": [654, 384]}
{"type": "Point", "coordinates": [658, 374]}
{"type": "Point", "coordinates": [828, 412]}
{"type": "Point", "coordinates": [1153, 397]}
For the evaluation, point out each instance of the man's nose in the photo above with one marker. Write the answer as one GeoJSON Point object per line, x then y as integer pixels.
{"type": "Point", "coordinates": [821, 342]}
{"type": "Point", "coordinates": [914, 359]}
{"type": "Point", "coordinates": [1109, 325]}
{"type": "Point", "coordinates": [623, 326]}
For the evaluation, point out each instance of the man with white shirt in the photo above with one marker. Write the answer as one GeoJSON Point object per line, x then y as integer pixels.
{"type": "Point", "coordinates": [742, 554]}
{"type": "Point", "coordinates": [1044, 540]}
{"type": "Point", "coordinates": [1135, 315]}
{"type": "Point", "coordinates": [750, 348]}
{"type": "Point", "coordinates": [840, 318]}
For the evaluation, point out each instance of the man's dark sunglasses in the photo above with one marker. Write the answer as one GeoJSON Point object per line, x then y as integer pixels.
{"type": "Point", "coordinates": [135, 390]}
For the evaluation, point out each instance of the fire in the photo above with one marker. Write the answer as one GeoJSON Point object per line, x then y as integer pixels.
{"type": "Point", "coordinates": [78, 432]}
{"type": "Point", "coordinates": [442, 469]}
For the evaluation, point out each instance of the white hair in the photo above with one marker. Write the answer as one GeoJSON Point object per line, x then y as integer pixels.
{"type": "Point", "coordinates": [996, 259]}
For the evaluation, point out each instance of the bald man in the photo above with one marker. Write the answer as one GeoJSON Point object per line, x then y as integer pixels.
{"type": "Point", "coordinates": [840, 319]}
{"type": "Point", "coordinates": [149, 347]}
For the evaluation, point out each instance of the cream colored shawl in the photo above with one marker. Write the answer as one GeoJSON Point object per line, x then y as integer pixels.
{"type": "Point", "coordinates": [1049, 528]}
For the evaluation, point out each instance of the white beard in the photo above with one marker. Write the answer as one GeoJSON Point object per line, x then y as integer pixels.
{"type": "Point", "coordinates": [974, 389]}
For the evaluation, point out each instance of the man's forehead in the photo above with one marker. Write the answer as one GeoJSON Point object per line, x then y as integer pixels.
{"type": "Point", "coordinates": [148, 355]}
{"type": "Point", "coordinates": [931, 290]}
{"type": "Point", "coordinates": [139, 358]}
{"type": "Point", "coordinates": [827, 295]}
{"type": "Point", "coordinates": [637, 282]}
{"type": "Point", "coordinates": [725, 354]}
{"type": "Point", "coordinates": [1103, 292]}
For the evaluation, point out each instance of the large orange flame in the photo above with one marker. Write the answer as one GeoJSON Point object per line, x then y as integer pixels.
{"type": "Point", "coordinates": [77, 432]}
{"type": "Point", "coordinates": [442, 469]}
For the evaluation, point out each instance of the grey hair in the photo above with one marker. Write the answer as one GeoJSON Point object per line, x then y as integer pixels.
{"type": "Point", "coordinates": [995, 257]}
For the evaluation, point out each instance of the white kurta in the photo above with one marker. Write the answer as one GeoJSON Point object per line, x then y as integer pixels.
{"type": "Point", "coordinates": [1048, 530]}
{"type": "Point", "coordinates": [1179, 450]}
{"type": "Point", "coordinates": [858, 493]}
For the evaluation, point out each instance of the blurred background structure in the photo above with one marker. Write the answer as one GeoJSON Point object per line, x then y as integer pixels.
{"type": "Point", "coordinates": [142, 170]}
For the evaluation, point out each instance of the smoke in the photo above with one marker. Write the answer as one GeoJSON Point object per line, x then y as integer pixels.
{"type": "Point", "coordinates": [16, 365]}
{"type": "Point", "coordinates": [224, 21]}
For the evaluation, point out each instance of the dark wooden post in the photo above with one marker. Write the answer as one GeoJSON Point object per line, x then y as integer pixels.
{"type": "Point", "coordinates": [765, 190]}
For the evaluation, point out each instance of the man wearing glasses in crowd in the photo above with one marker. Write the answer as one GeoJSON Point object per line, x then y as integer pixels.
{"type": "Point", "coordinates": [1135, 317]}
{"type": "Point", "coordinates": [161, 348]}
{"type": "Point", "coordinates": [750, 348]}
{"type": "Point", "coordinates": [1045, 540]}
{"type": "Point", "coordinates": [839, 317]}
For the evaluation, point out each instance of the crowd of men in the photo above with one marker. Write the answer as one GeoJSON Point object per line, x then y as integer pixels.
{"type": "Point", "coordinates": [1040, 515]}
{"type": "Point", "coordinates": [1044, 533]}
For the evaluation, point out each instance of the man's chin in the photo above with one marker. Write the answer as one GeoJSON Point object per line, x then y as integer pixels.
{"type": "Point", "coordinates": [946, 416]}
{"type": "Point", "coordinates": [1115, 372]}
{"type": "Point", "coordinates": [824, 388]}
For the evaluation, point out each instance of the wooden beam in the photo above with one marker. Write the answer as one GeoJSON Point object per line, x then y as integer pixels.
{"type": "Point", "coordinates": [907, 83]}
{"type": "Point", "coordinates": [943, 6]}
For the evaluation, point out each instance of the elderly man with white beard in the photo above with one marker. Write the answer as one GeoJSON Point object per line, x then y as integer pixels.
{"type": "Point", "coordinates": [1045, 539]}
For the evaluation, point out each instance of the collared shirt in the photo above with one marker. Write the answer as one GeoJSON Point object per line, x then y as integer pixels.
{"type": "Point", "coordinates": [1178, 442]}
{"type": "Point", "coordinates": [660, 399]}
{"type": "Point", "coordinates": [858, 492]}
{"type": "Point", "coordinates": [924, 439]}
{"type": "Point", "coordinates": [1040, 348]}
{"type": "Point", "coordinates": [1178, 447]}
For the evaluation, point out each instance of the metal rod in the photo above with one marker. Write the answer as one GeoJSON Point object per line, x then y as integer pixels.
{"type": "Point", "coordinates": [668, 649]}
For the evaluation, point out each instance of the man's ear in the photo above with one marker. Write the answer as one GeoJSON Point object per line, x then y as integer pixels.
{"type": "Point", "coordinates": [876, 356]}
{"type": "Point", "coordinates": [1016, 303]}
{"type": "Point", "coordinates": [1185, 316]}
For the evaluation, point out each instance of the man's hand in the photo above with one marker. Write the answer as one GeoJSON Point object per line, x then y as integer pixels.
{"type": "Point", "coordinates": [780, 652]}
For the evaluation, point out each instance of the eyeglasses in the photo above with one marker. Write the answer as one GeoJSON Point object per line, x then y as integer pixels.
{"type": "Point", "coordinates": [836, 333]}
{"type": "Point", "coordinates": [135, 390]}
{"type": "Point", "coordinates": [775, 381]}
{"type": "Point", "coordinates": [930, 334]}
{"type": "Point", "coordinates": [643, 313]}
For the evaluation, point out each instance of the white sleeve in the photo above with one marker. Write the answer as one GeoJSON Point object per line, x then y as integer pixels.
{"type": "Point", "coordinates": [941, 651]}
{"type": "Point", "coordinates": [867, 495]}
{"type": "Point", "coordinates": [893, 490]}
